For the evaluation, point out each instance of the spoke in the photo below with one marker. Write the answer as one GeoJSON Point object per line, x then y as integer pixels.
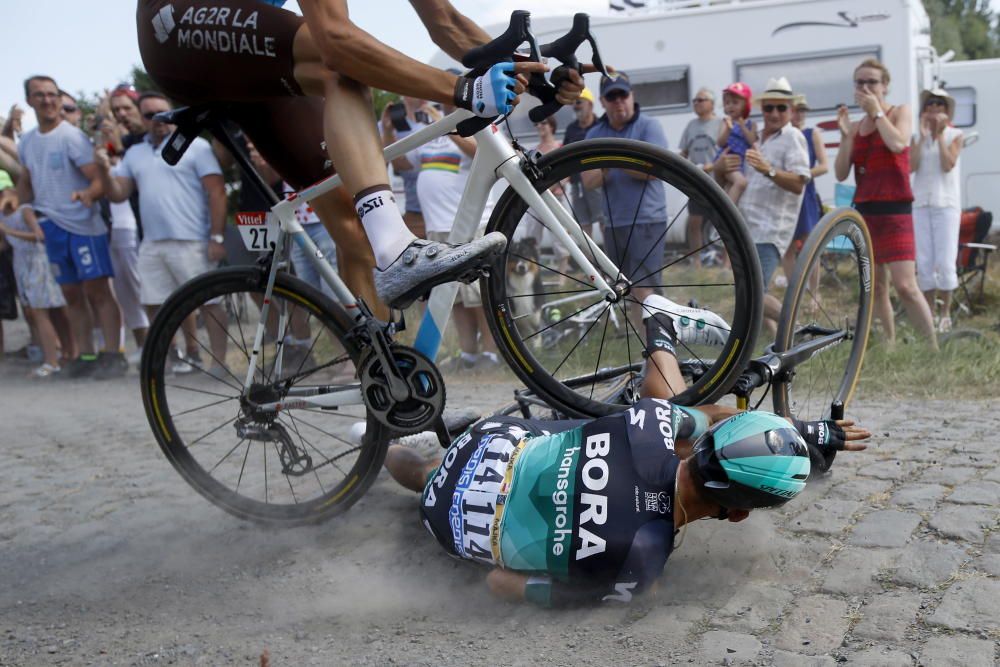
{"type": "Point", "coordinates": [207, 405]}
{"type": "Point", "coordinates": [332, 460]}
{"type": "Point", "coordinates": [635, 217]}
{"type": "Point", "coordinates": [243, 467]}
{"type": "Point", "coordinates": [665, 285]}
{"type": "Point", "coordinates": [235, 447]}
{"type": "Point", "coordinates": [288, 478]}
{"type": "Point", "coordinates": [226, 329]}
{"type": "Point", "coordinates": [311, 347]}
{"type": "Point", "coordinates": [659, 240]}
{"type": "Point", "coordinates": [628, 345]}
{"type": "Point", "coordinates": [580, 340]}
{"type": "Point", "coordinates": [656, 366]}
{"type": "Point", "coordinates": [591, 305]}
{"type": "Point", "coordinates": [571, 291]}
{"type": "Point", "coordinates": [676, 261]}
{"type": "Point", "coordinates": [220, 364]}
{"type": "Point", "coordinates": [220, 426]}
{"type": "Point", "coordinates": [600, 350]}
{"type": "Point", "coordinates": [319, 481]}
{"type": "Point", "coordinates": [264, 452]}
{"type": "Point", "coordinates": [590, 242]}
{"type": "Point", "coordinates": [192, 389]}
{"type": "Point", "coordinates": [239, 327]}
{"type": "Point", "coordinates": [326, 433]}
{"type": "Point", "coordinates": [679, 341]}
{"type": "Point", "coordinates": [548, 268]}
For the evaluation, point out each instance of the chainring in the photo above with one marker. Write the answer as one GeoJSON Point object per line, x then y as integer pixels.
{"type": "Point", "coordinates": [427, 393]}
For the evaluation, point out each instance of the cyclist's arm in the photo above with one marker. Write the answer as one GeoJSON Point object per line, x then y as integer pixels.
{"type": "Point", "coordinates": [449, 29]}
{"type": "Point", "coordinates": [542, 590]}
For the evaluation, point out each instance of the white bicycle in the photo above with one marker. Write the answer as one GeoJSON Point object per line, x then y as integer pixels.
{"type": "Point", "coordinates": [270, 426]}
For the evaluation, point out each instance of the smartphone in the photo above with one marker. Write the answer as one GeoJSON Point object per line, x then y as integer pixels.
{"type": "Point", "coordinates": [397, 114]}
{"type": "Point", "coordinates": [422, 117]}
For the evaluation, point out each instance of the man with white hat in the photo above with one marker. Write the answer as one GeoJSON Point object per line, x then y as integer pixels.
{"type": "Point", "coordinates": [777, 170]}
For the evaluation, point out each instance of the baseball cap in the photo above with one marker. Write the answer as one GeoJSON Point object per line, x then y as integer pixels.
{"type": "Point", "coordinates": [619, 82]}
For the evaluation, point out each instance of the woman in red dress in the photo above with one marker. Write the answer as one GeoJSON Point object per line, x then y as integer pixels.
{"type": "Point", "coordinates": [878, 148]}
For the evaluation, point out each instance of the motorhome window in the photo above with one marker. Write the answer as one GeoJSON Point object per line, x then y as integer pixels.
{"type": "Point", "coordinates": [965, 106]}
{"type": "Point", "coordinates": [825, 78]}
{"type": "Point", "coordinates": [661, 88]}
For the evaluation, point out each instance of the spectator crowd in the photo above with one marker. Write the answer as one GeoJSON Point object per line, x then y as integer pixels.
{"type": "Point", "coordinates": [97, 229]}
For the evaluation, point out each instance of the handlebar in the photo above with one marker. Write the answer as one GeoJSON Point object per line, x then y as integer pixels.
{"type": "Point", "coordinates": [502, 48]}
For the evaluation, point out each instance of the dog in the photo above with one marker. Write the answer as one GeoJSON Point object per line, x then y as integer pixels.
{"type": "Point", "coordinates": [524, 277]}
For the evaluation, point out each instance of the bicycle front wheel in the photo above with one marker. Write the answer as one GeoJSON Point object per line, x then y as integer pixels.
{"type": "Point", "coordinates": [559, 334]}
{"type": "Point", "coordinates": [829, 295]}
{"type": "Point", "coordinates": [297, 464]}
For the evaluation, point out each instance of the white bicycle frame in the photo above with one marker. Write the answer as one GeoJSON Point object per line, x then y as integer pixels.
{"type": "Point", "coordinates": [495, 159]}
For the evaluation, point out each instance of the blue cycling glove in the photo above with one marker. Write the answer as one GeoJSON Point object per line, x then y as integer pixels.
{"type": "Point", "coordinates": [489, 94]}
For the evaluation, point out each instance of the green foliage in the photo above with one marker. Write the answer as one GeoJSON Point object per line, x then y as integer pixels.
{"type": "Point", "coordinates": [142, 82]}
{"type": "Point", "coordinates": [381, 99]}
{"type": "Point", "coordinates": [967, 27]}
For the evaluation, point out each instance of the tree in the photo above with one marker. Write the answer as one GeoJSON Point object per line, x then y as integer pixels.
{"type": "Point", "coordinates": [967, 27]}
{"type": "Point", "coordinates": [142, 82]}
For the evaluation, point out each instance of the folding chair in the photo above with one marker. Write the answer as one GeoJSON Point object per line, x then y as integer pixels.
{"type": "Point", "coordinates": [973, 257]}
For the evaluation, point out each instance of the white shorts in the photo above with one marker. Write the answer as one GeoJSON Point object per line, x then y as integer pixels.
{"type": "Point", "coordinates": [166, 265]}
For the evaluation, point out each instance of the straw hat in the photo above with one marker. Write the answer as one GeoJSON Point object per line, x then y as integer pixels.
{"type": "Point", "coordinates": [943, 94]}
{"type": "Point", "coordinates": [776, 89]}
{"type": "Point", "coordinates": [800, 102]}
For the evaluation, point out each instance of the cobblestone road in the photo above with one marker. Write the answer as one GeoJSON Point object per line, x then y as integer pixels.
{"type": "Point", "coordinates": [107, 557]}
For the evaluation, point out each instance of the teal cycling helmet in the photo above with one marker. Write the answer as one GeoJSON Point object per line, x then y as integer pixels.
{"type": "Point", "coordinates": [751, 460]}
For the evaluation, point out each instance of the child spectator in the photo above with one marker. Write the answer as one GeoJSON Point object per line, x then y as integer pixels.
{"type": "Point", "coordinates": [737, 134]}
{"type": "Point", "coordinates": [36, 287]}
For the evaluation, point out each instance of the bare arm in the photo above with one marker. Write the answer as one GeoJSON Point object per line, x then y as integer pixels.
{"type": "Point", "coordinates": [215, 189]}
{"type": "Point", "coordinates": [822, 160]}
{"type": "Point", "coordinates": [116, 188]}
{"type": "Point", "coordinates": [9, 161]}
{"type": "Point", "coordinates": [724, 130]}
{"type": "Point", "coordinates": [25, 193]}
{"type": "Point", "coordinates": [949, 152]}
{"type": "Point", "coordinates": [92, 192]}
{"type": "Point", "coordinates": [915, 153]}
{"type": "Point", "coordinates": [449, 29]}
{"type": "Point", "coordinates": [749, 133]}
{"type": "Point", "coordinates": [348, 49]}
{"type": "Point", "coordinates": [896, 128]}
{"type": "Point", "coordinates": [842, 165]}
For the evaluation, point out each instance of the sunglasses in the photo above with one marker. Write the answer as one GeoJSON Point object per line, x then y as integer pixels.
{"type": "Point", "coordinates": [149, 115]}
{"type": "Point", "coordinates": [701, 99]}
{"type": "Point", "coordinates": [70, 108]}
{"type": "Point", "coordinates": [935, 103]}
{"type": "Point", "coordinates": [860, 83]}
{"type": "Point", "coordinates": [768, 108]}
{"type": "Point", "coordinates": [616, 95]}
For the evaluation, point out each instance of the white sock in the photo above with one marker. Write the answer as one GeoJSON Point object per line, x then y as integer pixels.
{"type": "Point", "coordinates": [384, 226]}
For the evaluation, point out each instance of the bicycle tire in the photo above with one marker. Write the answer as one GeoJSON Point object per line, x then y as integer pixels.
{"type": "Point", "coordinates": [843, 223]}
{"type": "Point", "coordinates": [314, 501]}
{"type": "Point", "coordinates": [746, 294]}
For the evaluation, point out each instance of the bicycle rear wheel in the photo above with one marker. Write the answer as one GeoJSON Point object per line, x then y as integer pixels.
{"type": "Point", "coordinates": [556, 331]}
{"type": "Point", "coordinates": [830, 293]}
{"type": "Point", "coordinates": [301, 464]}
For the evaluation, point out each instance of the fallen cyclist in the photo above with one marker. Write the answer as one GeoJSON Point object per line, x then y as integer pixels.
{"type": "Point", "coordinates": [570, 512]}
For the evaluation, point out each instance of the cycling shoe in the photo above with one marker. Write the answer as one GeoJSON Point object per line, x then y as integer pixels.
{"type": "Point", "coordinates": [425, 264]}
{"type": "Point", "coordinates": [694, 326]}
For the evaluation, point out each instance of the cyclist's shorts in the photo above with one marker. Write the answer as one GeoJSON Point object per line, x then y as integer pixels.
{"type": "Point", "coordinates": [460, 498]}
{"type": "Point", "coordinates": [201, 51]}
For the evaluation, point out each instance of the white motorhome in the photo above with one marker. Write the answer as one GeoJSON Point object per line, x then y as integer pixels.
{"type": "Point", "coordinates": [672, 48]}
{"type": "Point", "coordinates": [974, 85]}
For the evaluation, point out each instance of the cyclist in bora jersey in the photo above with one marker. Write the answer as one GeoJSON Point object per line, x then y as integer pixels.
{"type": "Point", "coordinates": [573, 512]}
{"type": "Point", "coordinates": [268, 59]}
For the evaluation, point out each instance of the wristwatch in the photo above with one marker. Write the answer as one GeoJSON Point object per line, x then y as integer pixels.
{"type": "Point", "coordinates": [771, 173]}
{"type": "Point", "coordinates": [878, 115]}
{"type": "Point", "coordinates": [217, 238]}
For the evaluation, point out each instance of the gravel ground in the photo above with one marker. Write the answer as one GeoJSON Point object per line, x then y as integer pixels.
{"type": "Point", "coordinates": [109, 558]}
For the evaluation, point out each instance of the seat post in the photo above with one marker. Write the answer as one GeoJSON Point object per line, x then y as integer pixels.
{"type": "Point", "coordinates": [221, 132]}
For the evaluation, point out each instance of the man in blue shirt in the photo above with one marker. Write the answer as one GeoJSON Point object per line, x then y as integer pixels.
{"type": "Point", "coordinates": [635, 207]}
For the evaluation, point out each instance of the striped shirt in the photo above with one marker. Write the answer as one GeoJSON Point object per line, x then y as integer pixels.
{"type": "Point", "coordinates": [444, 170]}
{"type": "Point", "coordinates": [772, 212]}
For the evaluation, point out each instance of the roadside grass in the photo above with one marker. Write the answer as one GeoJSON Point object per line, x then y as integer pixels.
{"type": "Point", "coordinates": [967, 367]}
